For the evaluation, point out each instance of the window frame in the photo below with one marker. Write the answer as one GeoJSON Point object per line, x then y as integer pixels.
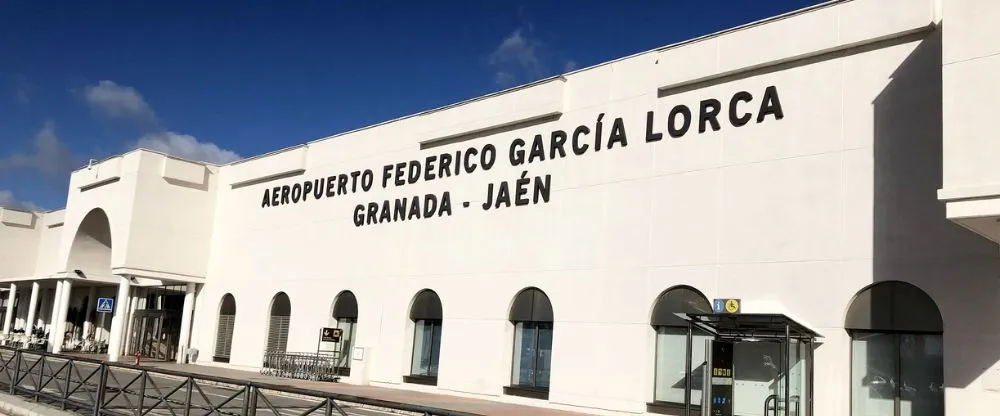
{"type": "Point", "coordinates": [664, 406]}
{"type": "Point", "coordinates": [425, 379]}
{"type": "Point", "coordinates": [896, 335]}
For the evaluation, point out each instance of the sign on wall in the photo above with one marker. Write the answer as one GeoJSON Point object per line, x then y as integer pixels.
{"type": "Point", "coordinates": [106, 305]}
{"type": "Point", "coordinates": [330, 335]}
{"type": "Point", "coordinates": [728, 305]}
{"type": "Point", "coordinates": [604, 133]}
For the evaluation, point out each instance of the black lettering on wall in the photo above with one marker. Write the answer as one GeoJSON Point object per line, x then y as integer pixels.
{"type": "Point", "coordinates": [707, 113]}
{"type": "Point", "coordinates": [651, 136]}
{"type": "Point", "coordinates": [685, 118]}
{"type": "Point", "coordinates": [770, 105]}
{"type": "Point", "coordinates": [734, 119]}
{"type": "Point", "coordinates": [521, 190]}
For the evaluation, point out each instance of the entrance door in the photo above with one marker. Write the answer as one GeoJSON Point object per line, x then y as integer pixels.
{"type": "Point", "coordinates": [763, 376]}
{"type": "Point", "coordinates": [154, 335]}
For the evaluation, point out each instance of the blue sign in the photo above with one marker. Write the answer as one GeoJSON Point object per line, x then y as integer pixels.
{"type": "Point", "coordinates": [105, 304]}
{"type": "Point", "coordinates": [726, 305]}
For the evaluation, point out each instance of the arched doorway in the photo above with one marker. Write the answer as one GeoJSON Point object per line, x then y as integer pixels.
{"type": "Point", "coordinates": [673, 384]}
{"type": "Point", "coordinates": [427, 316]}
{"type": "Point", "coordinates": [89, 255]}
{"type": "Point", "coordinates": [897, 352]}
{"type": "Point", "coordinates": [277, 329]}
{"type": "Point", "coordinates": [345, 317]}
{"type": "Point", "coordinates": [531, 315]}
{"type": "Point", "coordinates": [224, 334]}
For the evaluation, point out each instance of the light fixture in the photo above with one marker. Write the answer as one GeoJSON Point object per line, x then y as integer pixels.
{"type": "Point", "coordinates": [80, 273]}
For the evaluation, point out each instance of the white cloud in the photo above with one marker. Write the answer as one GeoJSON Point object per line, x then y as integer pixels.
{"type": "Point", "coordinates": [521, 51]}
{"type": "Point", "coordinates": [520, 57]}
{"type": "Point", "coordinates": [123, 102]}
{"type": "Point", "coordinates": [186, 147]}
{"type": "Point", "coordinates": [7, 200]}
{"type": "Point", "coordinates": [51, 157]}
{"type": "Point", "coordinates": [119, 101]}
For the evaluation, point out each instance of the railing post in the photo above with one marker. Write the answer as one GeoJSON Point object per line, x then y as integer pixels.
{"type": "Point", "coordinates": [17, 372]}
{"type": "Point", "coordinates": [252, 411]}
{"type": "Point", "coordinates": [69, 374]}
{"type": "Point", "coordinates": [142, 392]}
{"type": "Point", "coordinates": [102, 384]}
{"type": "Point", "coordinates": [246, 400]}
{"type": "Point", "coordinates": [187, 400]}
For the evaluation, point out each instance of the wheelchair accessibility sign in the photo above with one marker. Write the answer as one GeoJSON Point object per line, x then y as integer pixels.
{"type": "Point", "coordinates": [105, 304]}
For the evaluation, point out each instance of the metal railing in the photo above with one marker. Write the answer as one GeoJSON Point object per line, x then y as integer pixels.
{"type": "Point", "coordinates": [95, 388]}
{"type": "Point", "coordinates": [301, 365]}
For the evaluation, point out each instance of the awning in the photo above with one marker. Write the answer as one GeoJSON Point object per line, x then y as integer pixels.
{"type": "Point", "coordinates": [750, 325]}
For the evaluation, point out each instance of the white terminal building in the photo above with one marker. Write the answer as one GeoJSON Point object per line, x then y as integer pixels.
{"type": "Point", "coordinates": [563, 244]}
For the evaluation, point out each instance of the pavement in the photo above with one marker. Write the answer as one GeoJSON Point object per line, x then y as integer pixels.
{"type": "Point", "coordinates": [166, 394]}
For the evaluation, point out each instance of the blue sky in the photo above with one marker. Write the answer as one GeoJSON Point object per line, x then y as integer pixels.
{"type": "Point", "coordinates": [225, 80]}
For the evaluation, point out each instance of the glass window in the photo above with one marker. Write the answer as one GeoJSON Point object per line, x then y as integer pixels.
{"type": "Point", "coordinates": [671, 351]}
{"type": "Point", "coordinates": [426, 348]}
{"type": "Point", "coordinates": [885, 367]}
{"type": "Point", "coordinates": [532, 354]}
{"type": "Point", "coordinates": [347, 327]}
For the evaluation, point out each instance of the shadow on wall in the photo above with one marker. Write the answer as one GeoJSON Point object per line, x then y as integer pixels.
{"type": "Point", "coordinates": [913, 239]}
{"type": "Point", "coordinates": [91, 247]}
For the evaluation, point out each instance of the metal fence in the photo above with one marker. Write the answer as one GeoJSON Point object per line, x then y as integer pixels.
{"type": "Point", "coordinates": [95, 388]}
{"type": "Point", "coordinates": [301, 365]}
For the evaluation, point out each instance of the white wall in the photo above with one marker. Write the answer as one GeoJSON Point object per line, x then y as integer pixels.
{"type": "Point", "coordinates": [796, 214]}
{"type": "Point", "coordinates": [971, 59]}
{"type": "Point", "coordinates": [19, 235]}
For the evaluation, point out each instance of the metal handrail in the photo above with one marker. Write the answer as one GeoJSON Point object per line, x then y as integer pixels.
{"type": "Point", "coordinates": [96, 387]}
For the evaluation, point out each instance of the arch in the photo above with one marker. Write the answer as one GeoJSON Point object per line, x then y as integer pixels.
{"type": "Point", "coordinates": [531, 305]}
{"type": "Point", "coordinates": [896, 334]}
{"type": "Point", "coordinates": [227, 306]}
{"type": "Point", "coordinates": [281, 305]}
{"type": "Point", "coordinates": [345, 306]}
{"type": "Point", "coordinates": [90, 250]}
{"type": "Point", "coordinates": [344, 315]}
{"type": "Point", "coordinates": [893, 306]}
{"type": "Point", "coordinates": [426, 306]}
{"type": "Point", "coordinates": [678, 299]}
{"type": "Point", "coordinates": [224, 332]}
{"type": "Point", "coordinates": [278, 325]}
{"type": "Point", "coordinates": [531, 367]}
{"type": "Point", "coordinates": [676, 344]}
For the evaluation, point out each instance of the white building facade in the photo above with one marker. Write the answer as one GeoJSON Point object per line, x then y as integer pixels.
{"type": "Point", "coordinates": [834, 169]}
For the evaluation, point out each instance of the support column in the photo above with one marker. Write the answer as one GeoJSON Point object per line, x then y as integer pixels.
{"type": "Point", "coordinates": [61, 321]}
{"type": "Point", "coordinates": [9, 315]}
{"type": "Point", "coordinates": [88, 314]}
{"type": "Point", "coordinates": [54, 316]}
{"type": "Point", "coordinates": [29, 326]}
{"type": "Point", "coordinates": [118, 320]}
{"type": "Point", "coordinates": [186, 317]}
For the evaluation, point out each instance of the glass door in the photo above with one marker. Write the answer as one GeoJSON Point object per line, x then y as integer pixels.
{"type": "Point", "coordinates": [758, 378]}
{"type": "Point", "coordinates": [765, 372]}
{"type": "Point", "coordinates": [895, 374]}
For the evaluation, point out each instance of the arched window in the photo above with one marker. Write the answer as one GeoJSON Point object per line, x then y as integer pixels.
{"type": "Point", "coordinates": [345, 315]}
{"type": "Point", "coordinates": [277, 330]}
{"type": "Point", "coordinates": [427, 317]}
{"type": "Point", "coordinates": [224, 334]}
{"type": "Point", "coordinates": [671, 383]}
{"type": "Point", "coordinates": [897, 359]}
{"type": "Point", "coordinates": [531, 315]}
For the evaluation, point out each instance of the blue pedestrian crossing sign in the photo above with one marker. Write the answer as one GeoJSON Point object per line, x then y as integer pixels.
{"type": "Point", "coordinates": [105, 304]}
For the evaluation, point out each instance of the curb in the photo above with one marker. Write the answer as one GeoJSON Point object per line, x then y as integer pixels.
{"type": "Point", "coordinates": [17, 406]}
